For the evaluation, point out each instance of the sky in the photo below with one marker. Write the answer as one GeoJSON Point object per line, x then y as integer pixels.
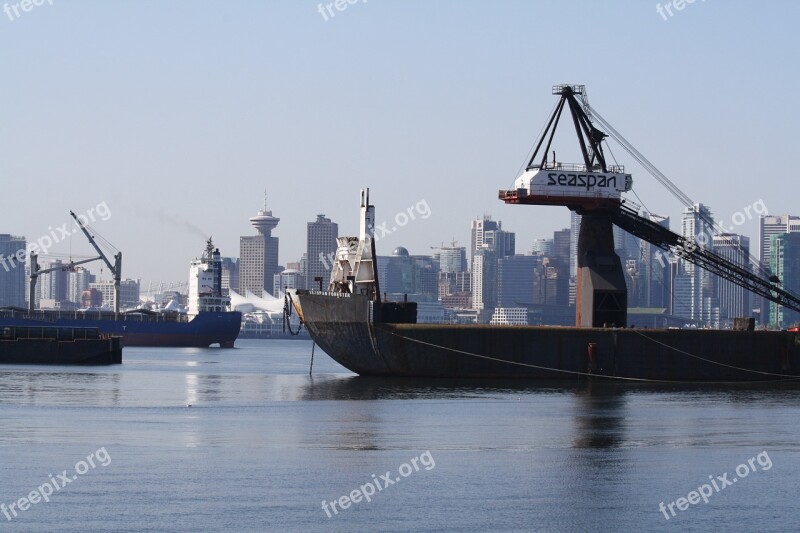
{"type": "Point", "coordinates": [172, 118]}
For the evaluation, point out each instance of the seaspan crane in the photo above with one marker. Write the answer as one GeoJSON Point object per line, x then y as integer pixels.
{"type": "Point", "coordinates": [594, 190]}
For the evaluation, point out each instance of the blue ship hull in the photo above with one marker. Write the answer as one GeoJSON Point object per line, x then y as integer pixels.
{"type": "Point", "coordinates": [202, 331]}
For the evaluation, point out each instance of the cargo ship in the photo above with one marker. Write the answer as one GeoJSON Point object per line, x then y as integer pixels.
{"type": "Point", "coordinates": [372, 337]}
{"type": "Point", "coordinates": [40, 345]}
{"type": "Point", "coordinates": [139, 327]}
{"type": "Point", "coordinates": [208, 321]}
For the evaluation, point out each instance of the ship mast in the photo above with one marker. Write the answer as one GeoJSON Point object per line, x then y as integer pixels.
{"type": "Point", "coordinates": [355, 270]}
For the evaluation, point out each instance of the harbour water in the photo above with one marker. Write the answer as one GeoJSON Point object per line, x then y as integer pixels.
{"type": "Point", "coordinates": [244, 440]}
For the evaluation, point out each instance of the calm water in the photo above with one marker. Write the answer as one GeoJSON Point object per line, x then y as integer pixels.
{"type": "Point", "coordinates": [245, 440]}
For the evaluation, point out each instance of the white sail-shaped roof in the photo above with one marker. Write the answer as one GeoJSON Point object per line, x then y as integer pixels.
{"type": "Point", "coordinates": [270, 303]}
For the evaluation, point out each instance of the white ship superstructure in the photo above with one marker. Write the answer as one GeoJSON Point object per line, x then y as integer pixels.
{"type": "Point", "coordinates": [205, 283]}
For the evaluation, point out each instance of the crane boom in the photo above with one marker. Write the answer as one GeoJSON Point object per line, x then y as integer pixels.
{"type": "Point", "coordinates": [658, 235]}
{"type": "Point", "coordinates": [115, 269]}
{"type": "Point", "coordinates": [659, 176]}
{"type": "Point", "coordinates": [92, 241]}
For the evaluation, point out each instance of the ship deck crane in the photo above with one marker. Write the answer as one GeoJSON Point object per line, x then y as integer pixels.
{"type": "Point", "coordinates": [116, 268]}
{"type": "Point", "coordinates": [36, 272]}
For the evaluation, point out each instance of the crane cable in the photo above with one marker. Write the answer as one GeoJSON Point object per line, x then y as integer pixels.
{"type": "Point", "coordinates": [667, 183]}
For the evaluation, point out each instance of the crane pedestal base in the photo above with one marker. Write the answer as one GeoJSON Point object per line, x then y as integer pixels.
{"type": "Point", "coordinates": [601, 294]}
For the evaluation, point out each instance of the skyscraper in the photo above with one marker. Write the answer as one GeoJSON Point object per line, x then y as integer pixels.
{"type": "Point", "coordinates": [426, 276]}
{"type": "Point", "coordinates": [734, 301]}
{"type": "Point", "coordinates": [515, 280]}
{"type": "Point", "coordinates": [258, 255]}
{"type": "Point", "coordinates": [784, 256]}
{"type": "Point", "coordinates": [502, 242]}
{"type": "Point", "coordinates": [769, 226]}
{"type": "Point", "coordinates": [78, 281]}
{"type": "Point", "coordinates": [12, 271]}
{"type": "Point", "coordinates": [321, 238]}
{"type": "Point", "coordinates": [454, 278]}
{"type": "Point", "coordinates": [562, 244]}
{"type": "Point", "coordinates": [574, 233]}
{"type": "Point", "coordinates": [774, 225]}
{"type": "Point", "coordinates": [542, 247]}
{"type": "Point", "coordinates": [453, 259]}
{"type": "Point", "coordinates": [54, 285]}
{"type": "Point", "coordinates": [655, 271]}
{"type": "Point", "coordinates": [484, 279]}
{"type": "Point", "coordinates": [694, 285]}
{"type": "Point", "coordinates": [557, 285]}
{"type": "Point", "coordinates": [551, 283]}
{"type": "Point", "coordinates": [479, 227]}
{"type": "Point", "coordinates": [230, 275]}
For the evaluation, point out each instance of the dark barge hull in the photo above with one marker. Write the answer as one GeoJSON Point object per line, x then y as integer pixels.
{"type": "Point", "coordinates": [65, 346]}
{"type": "Point", "coordinates": [344, 327]}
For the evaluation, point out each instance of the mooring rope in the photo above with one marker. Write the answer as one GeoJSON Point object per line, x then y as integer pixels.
{"type": "Point", "coordinates": [588, 374]}
{"type": "Point", "coordinates": [714, 362]}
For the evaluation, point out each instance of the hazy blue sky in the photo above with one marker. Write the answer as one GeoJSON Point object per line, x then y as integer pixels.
{"type": "Point", "coordinates": [179, 114]}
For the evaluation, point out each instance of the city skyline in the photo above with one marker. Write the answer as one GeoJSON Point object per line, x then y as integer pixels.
{"type": "Point", "coordinates": [768, 225]}
{"type": "Point", "coordinates": [182, 147]}
{"type": "Point", "coordinates": [501, 276]}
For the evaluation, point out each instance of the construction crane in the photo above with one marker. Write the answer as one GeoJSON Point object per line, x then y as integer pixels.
{"type": "Point", "coordinates": [594, 190]}
{"type": "Point", "coordinates": [453, 244]}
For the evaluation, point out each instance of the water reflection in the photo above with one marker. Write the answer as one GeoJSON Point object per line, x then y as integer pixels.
{"type": "Point", "coordinates": [61, 387]}
{"type": "Point", "coordinates": [599, 416]}
{"type": "Point", "coordinates": [586, 416]}
{"type": "Point", "coordinates": [191, 389]}
{"type": "Point", "coordinates": [378, 388]}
